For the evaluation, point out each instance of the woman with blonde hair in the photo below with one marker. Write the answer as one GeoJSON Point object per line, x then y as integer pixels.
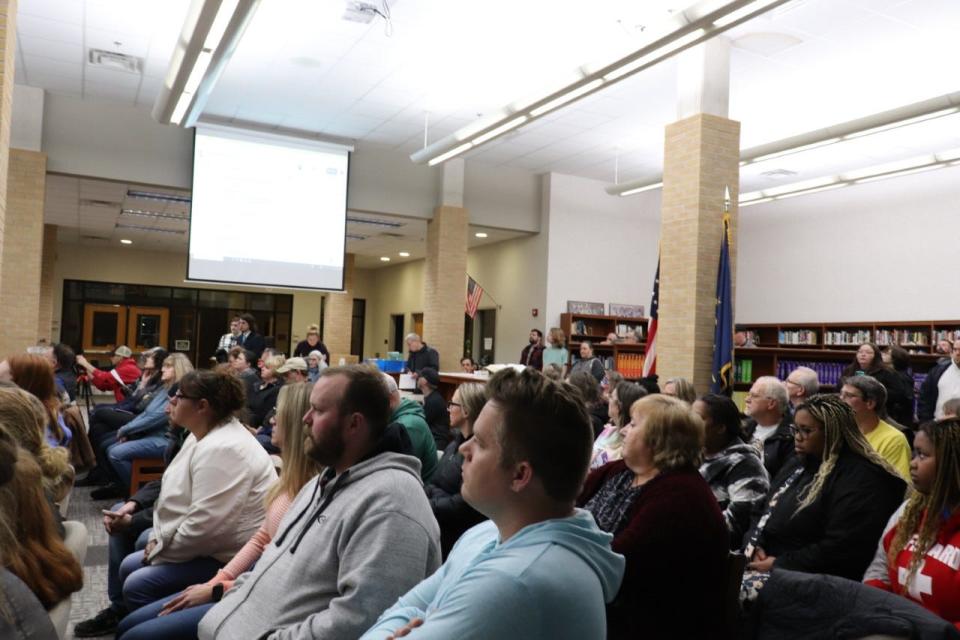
{"type": "Point", "coordinates": [30, 547]}
{"type": "Point", "coordinates": [145, 435]}
{"type": "Point", "coordinates": [34, 374]}
{"type": "Point", "coordinates": [680, 388]}
{"type": "Point", "coordinates": [25, 418]}
{"type": "Point", "coordinates": [179, 616]}
{"type": "Point", "coordinates": [555, 351]}
{"type": "Point", "coordinates": [311, 343]}
{"type": "Point", "coordinates": [665, 521]}
{"type": "Point", "coordinates": [827, 506]}
{"type": "Point", "coordinates": [452, 512]}
{"type": "Point", "coordinates": [924, 526]}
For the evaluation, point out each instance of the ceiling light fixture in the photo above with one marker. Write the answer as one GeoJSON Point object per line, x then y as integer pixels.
{"type": "Point", "coordinates": [384, 259]}
{"type": "Point", "coordinates": [207, 41]}
{"type": "Point", "coordinates": [682, 30]}
{"type": "Point", "coordinates": [373, 222]}
{"type": "Point", "coordinates": [159, 197]}
{"type": "Point", "coordinates": [125, 241]}
{"type": "Point", "coordinates": [480, 234]}
{"type": "Point", "coordinates": [404, 254]}
{"type": "Point", "coordinates": [136, 227]}
{"type": "Point", "coordinates": [154, 214]}
{"type": "Point", "coordinates": [905, 116]}
{"type": "Point", "coordinates": [860, 176]}
{"type": "Point", "coordinates": [354, 236]}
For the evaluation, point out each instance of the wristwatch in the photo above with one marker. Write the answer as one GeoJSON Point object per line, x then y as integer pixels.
{"type": "Point", "coordinates": [217, 592]}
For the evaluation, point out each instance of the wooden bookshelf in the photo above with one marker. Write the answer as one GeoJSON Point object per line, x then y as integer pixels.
{"type": "Point", "coordinates": [627, 356]}
{"type": "Point", "coordinates": [830, 347]}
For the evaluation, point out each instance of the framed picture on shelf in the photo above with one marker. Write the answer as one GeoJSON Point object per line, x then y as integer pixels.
{"type": "Point", "coordinates": [591, 308]}
{"type": "Point", "coordinates": [626, 310]}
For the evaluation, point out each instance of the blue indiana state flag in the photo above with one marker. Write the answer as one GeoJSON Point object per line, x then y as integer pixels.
{"type": "Point", "coordinates": [722, 377]}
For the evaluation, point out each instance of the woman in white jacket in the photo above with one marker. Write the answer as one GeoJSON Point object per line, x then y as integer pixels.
{"type": "Point", "coordinates": [211, 497]}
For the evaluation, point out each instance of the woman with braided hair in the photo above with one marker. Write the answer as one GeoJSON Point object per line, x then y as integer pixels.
{"type": "Point", "coordinates": [827, 506]}
{"type": "Point", "coordinates": [919, 554]}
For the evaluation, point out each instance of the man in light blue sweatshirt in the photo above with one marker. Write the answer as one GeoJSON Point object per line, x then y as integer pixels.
{"type": "Point", "coordinates": [539, 569]}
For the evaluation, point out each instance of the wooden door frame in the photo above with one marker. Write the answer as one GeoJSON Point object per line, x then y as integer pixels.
{"type": "Point", "coordinates": [163, 312]}
{"type": "Point", "coordinates": [89, 309]}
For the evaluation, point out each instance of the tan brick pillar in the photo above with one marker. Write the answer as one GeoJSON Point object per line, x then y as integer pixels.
{"type": "Point", "coordinates": [22, 251]}
{"type": "Point", "coordinates": [445, 284]}
{"type": "Point", "coordinates": [47, 264]}
{"type": "Point", "coordinates": [338, 315]}
{"type": "Point", "coordinates": [701, 158]}
{"type": "Point", "coordinates": [8, 47]}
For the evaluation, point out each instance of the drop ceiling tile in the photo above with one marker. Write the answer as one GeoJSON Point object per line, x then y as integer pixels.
{"type": "Point", "coordinates": [52, 49]}
{"type": "Point", "coordinates": [110, 92]}
{"type": "Point", "coordinates": [47, 66]}
{"type": "Point", "coordinates": [30, 26]}
{"type": "Point", "coordinates": [52, 9]}
{"type": "Point", "coordinates": [130, 44]}
{"type": "Point", "coordinates": [112, 77]}
{"type": "Point", "coordinates": [70, 85]}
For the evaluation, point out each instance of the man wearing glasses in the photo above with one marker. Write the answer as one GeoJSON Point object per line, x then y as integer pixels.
{"type": "Point", "coordinates": [769, 427]}
{"type": "Point", "coordinates": [801, 385]}
{"type": "Point", "coordinates": [868, 399]}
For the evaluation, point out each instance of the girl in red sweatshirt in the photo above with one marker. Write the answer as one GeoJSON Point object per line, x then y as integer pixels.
{"type": "Point", "coordinates": [919, 554]}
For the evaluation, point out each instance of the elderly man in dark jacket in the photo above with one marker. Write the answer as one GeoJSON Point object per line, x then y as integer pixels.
{"type": "Point", "coordinates": [421, 355]}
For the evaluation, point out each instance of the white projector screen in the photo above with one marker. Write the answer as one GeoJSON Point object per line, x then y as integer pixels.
{"type": "Point", "coordinates": [268, 210]}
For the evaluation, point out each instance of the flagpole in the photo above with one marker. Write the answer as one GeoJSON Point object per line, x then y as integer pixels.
{"type": "Point", "coordinates": [486, 292]}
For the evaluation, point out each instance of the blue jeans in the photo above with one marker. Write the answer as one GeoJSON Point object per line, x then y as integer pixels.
{"type": "Point", "coordinates": [143, 624]}
{"type": "Point", "coordinates": [122, 454]}
{"type": "Point", "coordinates": [120, 546]}
{"type": "Point", "coordinates": [143, 584]}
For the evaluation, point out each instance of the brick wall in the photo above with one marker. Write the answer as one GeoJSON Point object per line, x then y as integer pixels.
{"type": "Point", "coordinates": [338, 315]}
{"type": "Point", "coordinates": [20, 265]}
{"type": "Point", "coordinates": [445, 284]}
{"type": "Point", "coordinates": [47, 282]}
{"type": "Point", "coordinates": [701, 157]}
{"type": "Point", "coordinates": [8, 46]}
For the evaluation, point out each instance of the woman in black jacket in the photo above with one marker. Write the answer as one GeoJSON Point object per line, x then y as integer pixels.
{"type": "Point", "coordinates": [869, 361]}
{"type": "Point", "coordinates": [827, 507]}
{"type": "Point", "coordinates": [453, 513]}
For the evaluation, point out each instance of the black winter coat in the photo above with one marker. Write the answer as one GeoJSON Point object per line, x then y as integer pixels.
{"type": "Point", "coordinates": [452, 512]}
{"type": "Point", "coordinates": [438, 419]}
{"type": "Point", "coordinates": [927, 402]}
{"type": "Point", "coordinates": [838, 533]}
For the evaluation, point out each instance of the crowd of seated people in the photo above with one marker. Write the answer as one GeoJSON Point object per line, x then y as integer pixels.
{"type": "Point", "coordinates": [525, 524]}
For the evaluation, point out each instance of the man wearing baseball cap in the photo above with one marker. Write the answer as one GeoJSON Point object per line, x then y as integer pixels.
{"type": "Point", "coordinates": [125, 372]}
{"type": "Point", "coordinates": [293, 370]}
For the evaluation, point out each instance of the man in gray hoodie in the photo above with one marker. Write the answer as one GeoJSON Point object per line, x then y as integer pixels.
{"type": "Point", "coordinates": [354, 539]}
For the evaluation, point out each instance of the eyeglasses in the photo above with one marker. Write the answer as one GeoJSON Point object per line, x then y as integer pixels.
{"type": "Point", "coordinates": [846, 395]}
{"type": "Point", "coordinates": [179, 396]}
{"type": "Point", "coordinates": [453, 404]}
{"type": "Point", "coordinates": [802, 433]}
{"type": "Point", "coordinates": [796, 384]}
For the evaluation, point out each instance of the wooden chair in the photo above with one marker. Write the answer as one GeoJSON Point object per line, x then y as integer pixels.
{"type": "Point", "coordinates": [736, 563]}
{"type": "Point", "coordinates": [145, 470]}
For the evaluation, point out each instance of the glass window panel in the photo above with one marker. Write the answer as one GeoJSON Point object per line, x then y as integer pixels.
{"type": "Point", "coordinates": [73, 290]}
{"type": "Point", "coordinates": [185, 294]}
{"type": "Point", "coordinates": [104, 328]}
{"type": "Point", "coordinates": [104, 292]}
{"type": "Point", "coordinates": [283, 304]}
{"type": "Point", "coordinates": [148, 330]}
{"type": "Point", "coordinates": [260, 301]}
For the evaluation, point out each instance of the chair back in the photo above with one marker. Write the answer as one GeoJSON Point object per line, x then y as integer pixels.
{"type": "Point", "coordinates": [144, 470]}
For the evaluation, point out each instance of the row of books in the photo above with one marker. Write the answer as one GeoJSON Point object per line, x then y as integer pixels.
{"type": "Point", "coordinates": [797, 336]}
{"type": "Point", "coordinates": [903, 337]}
{"type": "Point", "coordinates": [624, 330]}
{"type": "Point", "coordinates": [847, 337]}
{"type": "Point", "coordinates": [630, 365]}
{"type": "Point", "coordinates": [946, 334]}
{"type": "Point", "coordinates": [827, 372]}
{"type": "Point", "coordinates": [743, 370]}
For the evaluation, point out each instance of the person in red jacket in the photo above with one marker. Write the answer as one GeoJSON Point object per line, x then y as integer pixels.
{"type": "Point", "coordinates": [125, 372]}
{"type": "Point", "coordinates": [667, 524]}
{"type": "Point", "coordinates": [919, 554]}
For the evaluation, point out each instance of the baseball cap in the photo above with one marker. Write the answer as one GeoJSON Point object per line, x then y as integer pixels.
{"type": "Point", "coordinates": [293, 364]}
{"type": "Point", "coordinates": [123, 351]}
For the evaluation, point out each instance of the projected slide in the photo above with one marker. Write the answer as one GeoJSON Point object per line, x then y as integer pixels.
{"type": "Point", "coordinates": [267, 210]}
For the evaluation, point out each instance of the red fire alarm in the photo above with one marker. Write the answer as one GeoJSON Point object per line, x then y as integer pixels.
{"type": "Point", "coordinates": [535, 312]}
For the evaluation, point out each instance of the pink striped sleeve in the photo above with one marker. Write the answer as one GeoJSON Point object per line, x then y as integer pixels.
{"type": "Point", "coordinates": [255, 545]}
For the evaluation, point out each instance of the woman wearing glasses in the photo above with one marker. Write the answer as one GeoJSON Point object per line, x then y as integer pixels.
{"type": "Point", "coordinates": [665, 521]}
{"type": "Point", "coordinates": [827, 507]}
{"type": "Point", "coordinates": [453, 514]}
{"type": "Point", "coordinates": [211, 497]}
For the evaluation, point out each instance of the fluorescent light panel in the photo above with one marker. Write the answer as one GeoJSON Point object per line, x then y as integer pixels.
{"type": "Point", "coordinates": [136, 227]}
{"type": "Point", "coordinates": [154, 214]}
{"type": "Point", "coordinates": [374, 223]}
{"type": "Point", "coordinates": [160, 197]}
{"type": "Point", "coordinates": [723, 17]}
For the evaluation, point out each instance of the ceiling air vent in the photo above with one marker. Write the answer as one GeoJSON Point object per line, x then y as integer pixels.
{"type": "Point", "coordinates": [88, 202]}
{"type": "Point", "coordinates": [114, 61]}
{"type": "Point", "coordinates": [95, 238]}
{"type": "Point", "coordinates": [362, 12]}
{"type": "Point", "coordinates": [778, 173]}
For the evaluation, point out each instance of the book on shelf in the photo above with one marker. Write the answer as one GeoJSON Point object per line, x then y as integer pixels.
{"type": "Point", "coordinates": [828, 373]}
{"type": "Point", "coordinates": [946, 334]}
{"type": "Point", "coordinates": [743, 370]}
{"type": "Point", "coordinates": [797, 336]}
{"type": "Point", "coordinates": [902, 337]}
{"type": "Point", "coordinates": [630, 365]}
{"type": "Point", "coordinates": [847, 337]}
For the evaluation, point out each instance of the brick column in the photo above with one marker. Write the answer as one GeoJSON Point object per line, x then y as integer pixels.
{"type": "Point", "coordinates": [338, 315]}
{"type": "Point", "coordinates": [445, 284]}
{"type": "Point", "coordinates": [701, 157]}
{"type": "Point", "coordinates": [21, 260]}
{"type": "Point", "coordinates": [8, 47]}
{"type": "Point", "coordinates": [48, 261]}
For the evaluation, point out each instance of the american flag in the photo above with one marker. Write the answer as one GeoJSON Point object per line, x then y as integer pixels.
{"type": "Point", "coordinates": [474, 293]}
{"type": "Point", "coordinates": [650, 355]}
